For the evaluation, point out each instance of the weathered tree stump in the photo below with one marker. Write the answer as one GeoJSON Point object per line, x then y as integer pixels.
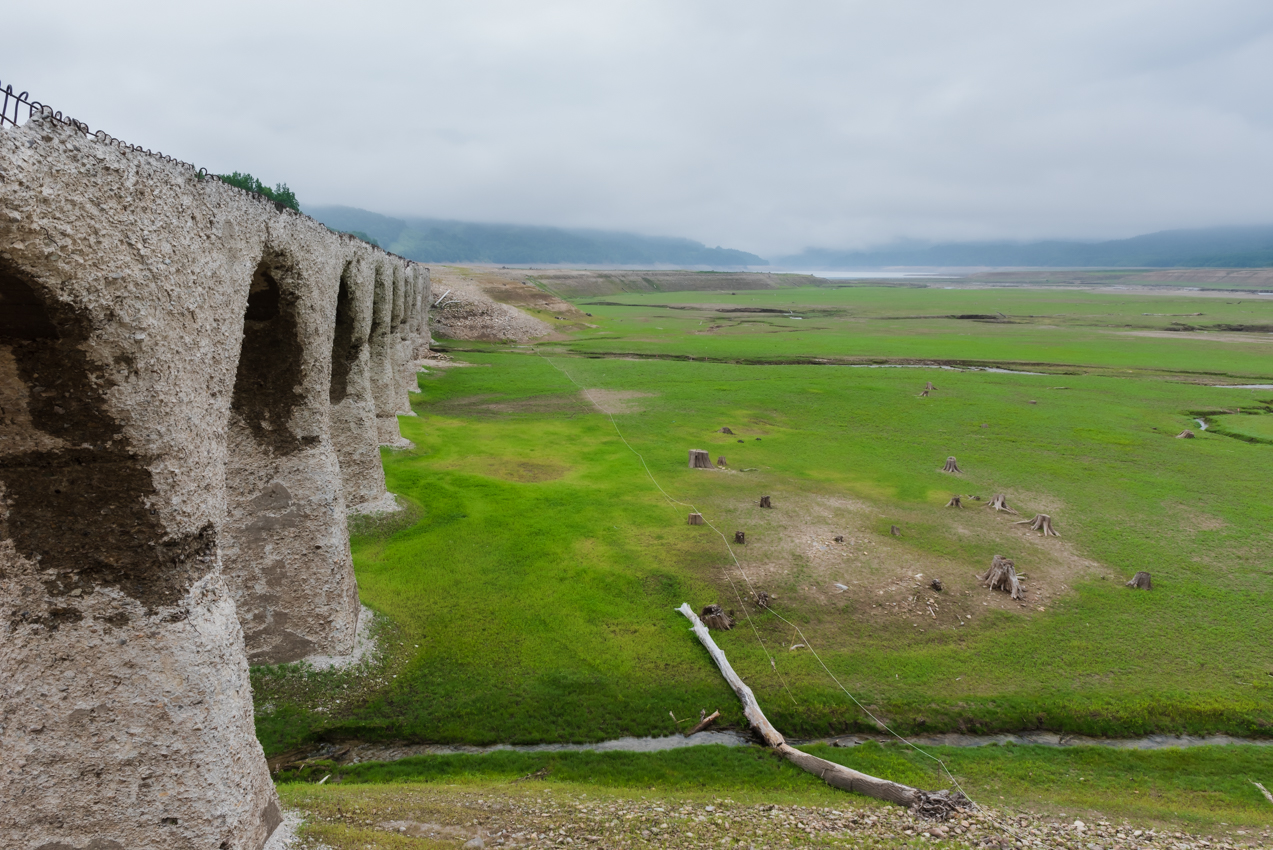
{"type": "Point", "coordinates": [1002, 575]}
{"type": "Point", "coordinates": [1041, 523]}
{"type": "Point", "coordinates": [839, 538]}
{"type": "Point", "coordinates": [950, 466]}
{"type": "Point", "coordinates": [895, 531]}
{"type": "Point", "coordinates": [954, 502]}
{"type": "Point", "coordinates": [696, 519]}
{"type": "Point", "coordinates": [725, 430]}
{"type": "Point", "coordinates": [762, 600]}
{"type": "Point", "coordinates": [928, 385]}
{"type": "Point", "coordinates": [700, 459]}
{"type": "Point", "coordinates": [924, 394]}
{"type": "Point", "coordinates": [714, 617]}
{"type": "Point", "coordinates": [1141, 581]}
{"type": "Point", "coordinates": [1185, 435]}
{"type": "Point", "coordinates": [936, 585]}
{"type": "Point", "coordinates": [720, 461]}
{"type": "Point", "coordinates": [1000, 503]}
{"type": "Point", "coordinates": [764, 502]}
{"type": "Point", "coordinates": [740, 537]}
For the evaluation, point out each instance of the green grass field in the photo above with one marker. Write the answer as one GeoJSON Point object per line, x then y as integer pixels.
{"type": "Point", "coordinates": [533, 599]}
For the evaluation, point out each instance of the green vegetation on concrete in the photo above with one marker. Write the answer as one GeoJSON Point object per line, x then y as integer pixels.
{"type": "Point", "coordinates": [280, 194]}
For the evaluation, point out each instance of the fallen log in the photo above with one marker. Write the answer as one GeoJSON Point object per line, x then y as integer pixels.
{"type": "Point", "coordinates": [1041, 523]}
{"type": "Point", "coordinates": [704, 723]}
{"type": "Point", "coordinates": [937, 805]}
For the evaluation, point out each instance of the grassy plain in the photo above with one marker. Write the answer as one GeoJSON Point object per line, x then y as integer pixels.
{"type": "Point", "coordinates": [533, 599]}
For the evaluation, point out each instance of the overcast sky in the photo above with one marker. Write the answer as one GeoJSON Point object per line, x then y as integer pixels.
{"type": "Point", "coordinates": [762, 126]}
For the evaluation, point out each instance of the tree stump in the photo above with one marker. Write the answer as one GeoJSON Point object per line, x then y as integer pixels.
{"type": "Point", "coordinates": [720, 461]}
{"type": "Point", "coordinates": [936, 585]}
{"type": "Point", "coordinates": [924, 394]}
{"type": "Point", "coordinates": [895, 531]}
{"type": "Point", "coordinates": [700, 459]}
{"type": "Point", "coordinates": [950, 466]}
{"type": "Point", "coordinates": [1141, 581]}
{"type": "Point", "coordinates": [954, 502]}
{"type": "Point", "coordinates": [714, 617]}
{"type": "Point", "coordinates": [839, 538]}
{"type": "Point", "coordinates": [740, 538]}
{"type": "Point", "coordinates": [1041, 523]}
{"type": "Point", "coordinates": [696, 519]}
{"type": "Point", "coordinates": [1185, 435]}
{"type": "Point", "coordinates": [928, 385]}
{"type": "Point", "coordinates": [1002, 575]}
{"type": "Point", "coordinates": [1000, 503]}
{"type": "Point", "coordinates": [762, 600]}
{"type": "Point", "coordinates": [764, 502]}
{"type": "Point", "coordinates": [725, 430]}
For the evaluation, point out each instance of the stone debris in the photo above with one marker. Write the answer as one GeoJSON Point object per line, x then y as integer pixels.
{"type": "Point", "coordinates": [500, 818]}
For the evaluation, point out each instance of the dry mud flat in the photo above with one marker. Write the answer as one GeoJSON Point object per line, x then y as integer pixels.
{"type": "Point", "coordinates": [508, 816]}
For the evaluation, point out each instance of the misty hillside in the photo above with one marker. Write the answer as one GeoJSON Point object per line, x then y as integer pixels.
{"type": "Point", "coordinates": [1217, 247]}
{"type": "Point", "coordinates": [439, 241]}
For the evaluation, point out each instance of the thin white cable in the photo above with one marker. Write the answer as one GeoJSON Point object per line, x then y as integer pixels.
{"type": "Point", "coordinates": [770, 608]}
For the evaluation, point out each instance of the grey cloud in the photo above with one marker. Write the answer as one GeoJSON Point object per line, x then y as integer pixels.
{"type": "Point", "coordinates": [761, 126]}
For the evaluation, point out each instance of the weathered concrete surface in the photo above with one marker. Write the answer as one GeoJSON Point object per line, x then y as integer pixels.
{"type": "Point", "coordinates": [353, 410]}
{"type": "Point", "coordinates": [385, 351]}
{"type": "Point", "coordinates": [167, 410]}
{"type": "Point", "coordinates": [284, 544]}
{"type": "Point", "coordinates": [125, 709]}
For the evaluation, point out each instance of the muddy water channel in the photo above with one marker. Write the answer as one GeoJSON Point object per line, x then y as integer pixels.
{"type": "Point", "coordinates": [347, 754]}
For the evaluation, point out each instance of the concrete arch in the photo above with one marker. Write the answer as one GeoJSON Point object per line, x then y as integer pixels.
{"type": "Point", "coordinates": [353, 409]}
{"type": "Point", "coordinates": [120, 647]}
{"type": "Point", "coordinates": [285, 548]}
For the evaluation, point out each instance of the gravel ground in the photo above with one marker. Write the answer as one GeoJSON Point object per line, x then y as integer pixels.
{"type": "Point", "coordinates": [503, 817]}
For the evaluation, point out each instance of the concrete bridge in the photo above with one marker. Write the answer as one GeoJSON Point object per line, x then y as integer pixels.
{"type": "Point", "coordinates": [194, 387]}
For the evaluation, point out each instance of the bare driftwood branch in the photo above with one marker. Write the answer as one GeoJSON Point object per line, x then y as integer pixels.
{"type": "Point", "coordinates": [1002, 575]}
{"type": "Point", "coordinates": [935, 805]}
{"type": "Point", "coordinates": [951, 465]}
{"type": "Point", "coordinates": [700, 459]}
{"type": "Point", "coordinates": [1041, 523]}
{"type": "Point", "coordinates": [1141, 581]}
{"type": "Point", "coordinates": [704, 723]}
{"type": "Point", "coordinates": [1000, 503]}
{"type": "Point", "coordinates": [1263, 791]}
{"type": "Point", "coordinates": [954, 502]}
{"type": "Point", "coordinates": [696, 519]}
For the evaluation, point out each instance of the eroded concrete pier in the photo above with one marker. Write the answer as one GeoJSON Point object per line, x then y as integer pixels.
{"type": "Point", "coordinates": [188, 407]}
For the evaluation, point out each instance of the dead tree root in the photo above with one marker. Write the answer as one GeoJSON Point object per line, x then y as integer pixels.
{"type": "Point", "coordinates": [951, 465]}
{"type": "Point", "coordinates": [1041, 523]}
{"type": "Point", "coordinates": [1000, 503]}
{"type": "Point", "coordinates": [1002, 575]}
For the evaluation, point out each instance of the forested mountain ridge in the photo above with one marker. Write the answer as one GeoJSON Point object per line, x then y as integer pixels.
{"type": "Point", "coordinates": [440, 241]}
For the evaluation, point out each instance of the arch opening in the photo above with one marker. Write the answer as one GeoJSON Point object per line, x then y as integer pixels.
{"type": "Point", "coordinates": [346, 348]}
{"type": "Point", "coordinates": [271, 358]}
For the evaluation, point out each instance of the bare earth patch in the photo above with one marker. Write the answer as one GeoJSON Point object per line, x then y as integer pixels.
{"type": "Point", "coordinates": [511, 469]}
{"type": "Point", "coordinates": [792, 554]}
{"type": "Point", "coordinates": [616, 401]}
